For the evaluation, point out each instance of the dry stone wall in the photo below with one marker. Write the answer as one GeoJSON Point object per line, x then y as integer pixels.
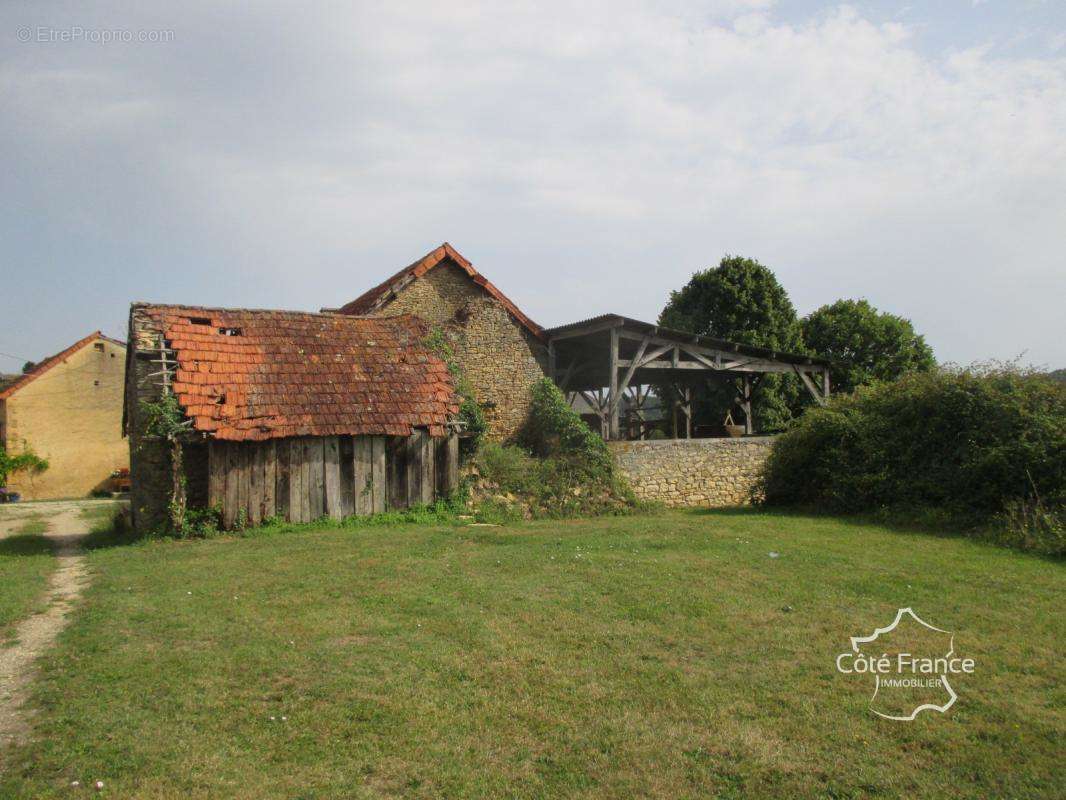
{"type": "Point", "coordinates": [693, 472]}
{"type": "Point", "coordinates": [499, 357]}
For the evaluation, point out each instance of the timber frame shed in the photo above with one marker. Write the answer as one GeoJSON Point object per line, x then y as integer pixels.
{"type": "Point", "coordinates": [609, 360]}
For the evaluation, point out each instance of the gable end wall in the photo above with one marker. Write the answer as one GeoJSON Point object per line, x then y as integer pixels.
{"type": "Point", "coordinates": [499, 357]}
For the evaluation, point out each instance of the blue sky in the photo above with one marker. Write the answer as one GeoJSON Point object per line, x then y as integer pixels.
{"type": "Point", "coordinates": [586, 159]}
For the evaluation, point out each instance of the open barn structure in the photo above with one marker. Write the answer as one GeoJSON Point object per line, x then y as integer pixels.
{"type": "Point", "coordinates": [611, 361]}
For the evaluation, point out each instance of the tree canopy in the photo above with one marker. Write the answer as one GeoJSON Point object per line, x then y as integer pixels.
{"type": "Point", "coordinates": [741, 300]}
{"type": "Point", "coordinates": [865, 345]}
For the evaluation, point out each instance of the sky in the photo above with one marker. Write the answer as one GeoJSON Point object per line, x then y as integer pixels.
{"type": "Point", "coordinates": [586, 157]}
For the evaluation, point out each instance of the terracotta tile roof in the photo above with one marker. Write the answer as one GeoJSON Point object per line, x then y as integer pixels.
{"type": "Point", "coordinates": [45, 365]}
{"type": "Point", "coordinates": [254, 375]}
{"type": "Point", "coordinates": [376, 298]}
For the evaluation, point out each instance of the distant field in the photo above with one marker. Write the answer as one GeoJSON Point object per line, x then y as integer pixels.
{"type": "Point", "coordinates": [665, 655]}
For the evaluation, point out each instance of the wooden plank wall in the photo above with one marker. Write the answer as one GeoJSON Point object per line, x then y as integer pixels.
{"type": "Point", "coordinates": [307, 478]}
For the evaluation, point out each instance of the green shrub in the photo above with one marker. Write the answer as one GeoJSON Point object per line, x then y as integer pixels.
{"type": "Point", "coordinates": [971, 443]}
{"type": "Point", "coordinates": [510, 468]}
{"type": "Point", "coordinates": [556, 430]}
{"type": "Point", "coordinates": [563, 470]}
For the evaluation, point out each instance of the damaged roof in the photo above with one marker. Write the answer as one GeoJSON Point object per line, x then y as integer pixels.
{"type": "Point", "coordinates": [251, 375]}
{"type": "Point", "coordinates": [376, 298]}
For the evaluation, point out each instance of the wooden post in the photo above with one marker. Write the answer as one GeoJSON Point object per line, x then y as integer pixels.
{"type": "Point", "coordinates": [687, 409]}
{"type": "Point", "coordinates": [612, 422]}
{"type": "Point", "coordinates": [551, 361]}
{"type": "Point", "coordinates": [749, 421]}
{"type": "Point", "coordinates": [825, 383]}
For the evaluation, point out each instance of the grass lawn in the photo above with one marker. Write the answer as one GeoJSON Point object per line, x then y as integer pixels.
{"type": "Point", "coordinates": [664, 655]}
{"type": "Point", "coordinates": [26, 561]}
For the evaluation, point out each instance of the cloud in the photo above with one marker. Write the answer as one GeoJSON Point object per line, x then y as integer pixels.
{"type": "Point", "coordinates": [588, 157]}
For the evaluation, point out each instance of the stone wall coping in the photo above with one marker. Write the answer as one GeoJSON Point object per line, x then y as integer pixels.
{"type": "Point", "coordinates": [723, 441]}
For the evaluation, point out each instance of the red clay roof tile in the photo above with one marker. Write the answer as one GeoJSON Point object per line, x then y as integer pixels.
{"type": "Point", "coordinates": [294, 373]}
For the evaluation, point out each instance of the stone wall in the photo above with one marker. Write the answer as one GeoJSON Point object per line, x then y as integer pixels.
{"type": "Point", "coordinates": [72, 416]}
{"type": "Point", "coordinates": [499, 357]}
{"type": "Point", "coordinates": [693, 472]}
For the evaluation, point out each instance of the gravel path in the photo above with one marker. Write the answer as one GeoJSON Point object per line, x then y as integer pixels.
{"type": "Point", "coordinates": [36, 634]}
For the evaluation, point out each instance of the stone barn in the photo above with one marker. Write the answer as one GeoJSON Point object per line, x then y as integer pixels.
{"type": "Point", "coordinates": [501, 351]}
{"type": "Point", "coordinates": [287, 414]}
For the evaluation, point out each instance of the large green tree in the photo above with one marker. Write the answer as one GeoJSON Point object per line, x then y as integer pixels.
{"type": "Point", "coordinates": [864, 344]}
{"type": "Point", "coordinates": [742, 301]}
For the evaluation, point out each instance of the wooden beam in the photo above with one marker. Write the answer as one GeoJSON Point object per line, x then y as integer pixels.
{"type": "Point", "coordinates": [616, 397]}
{"type": "Point", "coordinates": [611, 324]}
{"type": "Point", "coordinates": [573, 365]}
{"type": "Point", "coordinates": [810, 386]}
{"type": "Point", "coordinates": [612, 424]}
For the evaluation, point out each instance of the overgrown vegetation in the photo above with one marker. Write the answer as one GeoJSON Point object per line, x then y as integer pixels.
{"type": "Point", "coordinates": [26, 461]}
{"type": "Point", "coordinates": [164, 419]}
{"type": "Point", "coordinates": [983, 448]}
{"type": "Point", "coordinates": [471, 416]}
{"type": "Point", "coordinates": [562, 469]}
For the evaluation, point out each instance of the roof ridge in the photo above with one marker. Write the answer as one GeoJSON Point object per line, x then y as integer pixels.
{"type": "Point", "coordinates": [374, 298]}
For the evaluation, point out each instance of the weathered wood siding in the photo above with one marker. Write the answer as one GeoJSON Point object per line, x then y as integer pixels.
{"type": "Point", "coordinates": [307, 478]}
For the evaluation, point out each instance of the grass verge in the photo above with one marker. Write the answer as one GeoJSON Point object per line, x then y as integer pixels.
{"type": "Point", "coordinates": [656, 655]}
{"type": "Point", "coordinates": [26, 561]}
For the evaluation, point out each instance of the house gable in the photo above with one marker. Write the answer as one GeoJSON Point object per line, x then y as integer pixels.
{"type": "Point", "coordinates": [501, 352]}
{"type": "Point", "coordinates": [386, 293]}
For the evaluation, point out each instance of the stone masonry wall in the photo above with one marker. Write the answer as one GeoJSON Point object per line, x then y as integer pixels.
{"type": "Point", "coordinates": [149, 456]}
{"type": "Point", "coordinates": [693, 472]}
{"type": "Point", "coordinates": [499, 357]}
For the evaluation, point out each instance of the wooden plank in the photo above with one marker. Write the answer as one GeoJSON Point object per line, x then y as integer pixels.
{"type": "Point", "coordinates": [317, 477]}
{"type": "Point", "coordinates": [281, 491]}
{"type": "Point", "coordinates": [363, 478]}
{"type": "Point", "coordinates": [246, 451]}
{"type": "Point", "coordinates": [270, 467]}
{"type": "Point", "coordinates": [347, 475]}
{"type": "Point", "coordinates": [331, 476]}
{"type": "Point", "coordinates": [414, 468]}
{"type": "Point", "coordinates": [396, 467]}
{"type": "Point", "coordinates": [447, 465]}
{"type": "Point", "coordinates": [378, 475]}
{"type": "Point", "coordinates": [427, 480]}
{"type": "Point", "coordinates": [233, 479]}
{"type": "Point", "coordinates": [216, 477]}
{"type": "Point", "coordinates": [297, 476]}
{"type": "Point", "coordinates": [255, 482]}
